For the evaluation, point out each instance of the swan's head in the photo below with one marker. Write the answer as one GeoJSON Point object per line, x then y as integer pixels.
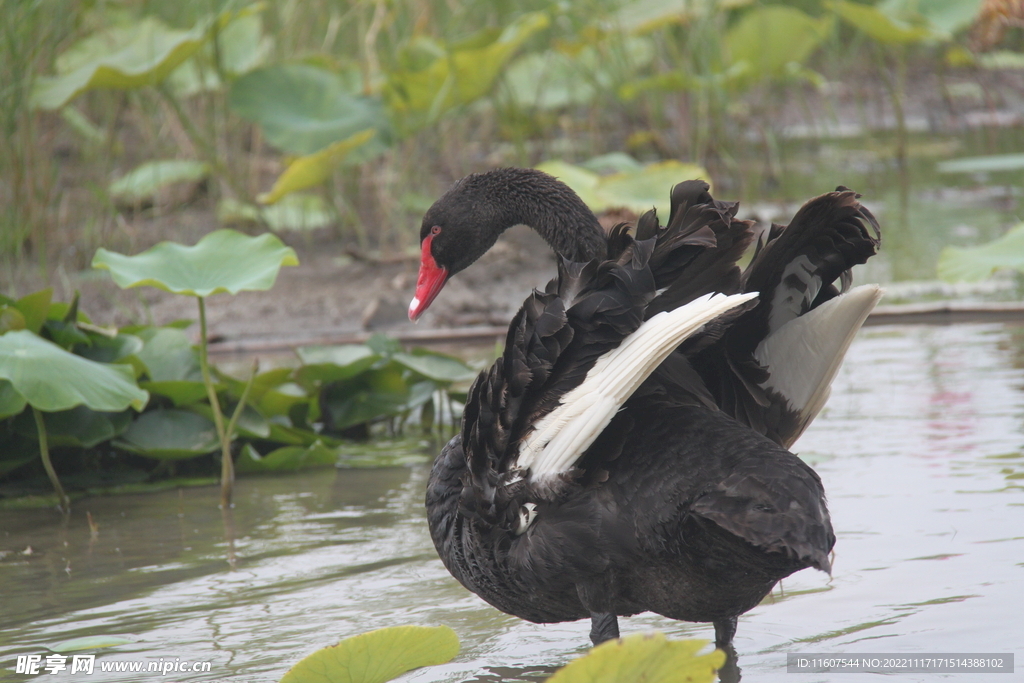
{"type": "Point", "coordinates": [459, 228]}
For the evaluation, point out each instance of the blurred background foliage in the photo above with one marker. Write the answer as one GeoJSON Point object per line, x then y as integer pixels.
{"type": "Point", "coordinates": [349, 116]}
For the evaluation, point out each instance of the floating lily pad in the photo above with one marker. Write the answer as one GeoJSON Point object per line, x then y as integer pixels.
{"type": "Point", "coordinates": [648, 657]}
{"type": "Point", "coordinates": [88, 643]}
{"type": "Point", "coordinates": [222, 261]}
{"type": "Point", "coordinates": [377, 656]}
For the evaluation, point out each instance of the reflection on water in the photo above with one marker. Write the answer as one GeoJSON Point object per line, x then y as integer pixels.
{"type": "Point", "coordinates": [919, 448]}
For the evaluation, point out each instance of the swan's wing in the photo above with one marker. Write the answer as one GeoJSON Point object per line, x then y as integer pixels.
{"type": "Point", "coordinates": [560, 437]}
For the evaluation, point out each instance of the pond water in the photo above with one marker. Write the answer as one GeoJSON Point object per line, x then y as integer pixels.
{"type": "Point", "coordinates": [919, 448]}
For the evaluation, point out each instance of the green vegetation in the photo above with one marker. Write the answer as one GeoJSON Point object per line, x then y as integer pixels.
{"type": "Point", "coordinates": [102, 395]}
{"type": "Point", "coordinates": [386, 653]}
{"type": "Point", "coordinates": [321, 113]}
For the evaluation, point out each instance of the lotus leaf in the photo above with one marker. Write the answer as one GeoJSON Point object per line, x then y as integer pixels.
{"type": "Point", "coordinates": [121, 58]}
{"type": "Point", "coordinates": [377, 656]}
{"type": "Point", "coordinates": [293, 212]}
{"type": "Point", "coordinates": [181, 392]}
{"type": "Point", "coordinates": [769, 39]}
{"type": "Point", "coordinates": [977, 263]}
{"type": "Point", "coordinates": [984, 164]}
{"type": "Point", "coordinates": [110, 349]}
{"type": "Point", "coordinates": [885, 26]}
{"type": "Point", "coordinates": [11, 402]}
{"type": "Point", "coordinates": [170, 435]}
{"type": "Point", "coordinates": [314, 169]}
{"type": "Point", "coordinates": [435, 366]}
{"type": "Point", "coordinates": [324, 364]}
{"type": "Point", "coordinates": [287, 459]}
{"type": "Point", "coordinates": [79, 426]}
{"type": "Point", "coordinates": [648, 657]}
{"type": "Point", "coordinates": [146, 179]}
{"type": "Point", "coordinates": [635, 190]}
{"type": "Point", "coordinates": [374, 394]}
{"type": "Point", "coordinates": [168, 355]}
{"type": "Point", "coordinates": [88, 643]}
{"type": "Point", "coordinates": [303, 109]}
{"type": "Point", "coordinates": [36, 308]}
{"type": "Point", "coordinates": [418, 96]}
{"type": "Point", "coordinates": [222, 261]}
{"type": "Point", "coordinates": [52, 379]}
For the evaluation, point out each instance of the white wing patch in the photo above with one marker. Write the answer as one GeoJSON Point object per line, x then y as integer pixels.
{"type": "Point", "coordinates": [562, 435]}
{"type": "Point", "coordinates": [804, 355]}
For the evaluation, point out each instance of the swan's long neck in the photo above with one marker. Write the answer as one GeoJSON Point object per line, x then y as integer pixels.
{"type": "Point", "coordinates": [567, 225]}
{"type": "Point", "coordinates": [522, 196]}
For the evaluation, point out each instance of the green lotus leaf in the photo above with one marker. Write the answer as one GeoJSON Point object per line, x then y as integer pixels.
{"type": "Point", "coordinates": [35, 307]}
{"type": "Point", "coordinates": [314, 169]}
{"type": "Point", "coordinates": [287, 459]}
{"type": "Point", "coordinates": [637, 190]}
{"type": "Point", "coordinates": [884, 26]}
{"type": "Point", "coordinates": [984, 164]}
{"type": "Point", "coordinates": [122, 58]}
{"type": "Point", "coordinates": [88, 643]}
{"type": "Point", "coordinates": [644, 16]}
{"type": "Point", "coordinates": [170, 435]}
{"type": "Point", "coordinates": [110, 349]}
{"type": "Point", "coordinates": [377, 656]}
{"type": "Point", "coordinates": [648, 657]}
{"type": "Point", "coordinates": [168, 355]}
{"type": "Point", "coordinates": [251, 423]}
{"type": "Point", "coordinates": [241, 47]}
{"type": "Point", "coordinates": [146, 179]}
{"type": "Point", "coordinates": [281, 399]}
{"type": "Point", "coordinates": [79, 426]}
{"type": "Point", "coordinates": [293, 212]}
{"type": "Point", "coordinates": [419, 94]}
{"type": "Point", "coordinates": [181, 392]}
{"type": "Point", "coordinates": [435, 366]}
{"type": "Point", "coordinates": [222, 261]}
{"type": "Point", "coordinates": [11, 402]}
{"type": "Point", "coordinates": [970, 264]}
{"type": "Point", "coordinates": [771, 38]}
{"type": "Point", "coordinates": [324, 364]}
{"type": "Point", "coordinates": [52, 379]}
{"type": "Point", "coordinates": [374, 394]}
{"type": "Point", "coordinates": [11, 318]}
{"type": "Point", "coordinates": [303, 108]}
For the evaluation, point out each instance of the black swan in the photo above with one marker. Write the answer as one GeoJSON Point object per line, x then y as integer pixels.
{"type": "Point", "coordinates": [627, 453]}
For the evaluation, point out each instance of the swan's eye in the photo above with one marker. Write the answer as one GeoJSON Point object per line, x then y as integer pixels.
{"type": "Point", "coordinates": [436, 230]}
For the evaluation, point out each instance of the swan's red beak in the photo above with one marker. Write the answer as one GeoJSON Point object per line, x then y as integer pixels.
{"type": "Point", "coordinates": [429, 283]}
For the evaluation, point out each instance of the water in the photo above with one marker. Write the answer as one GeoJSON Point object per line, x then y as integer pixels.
{"type": "Point", "coordinates": [919, 448]}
